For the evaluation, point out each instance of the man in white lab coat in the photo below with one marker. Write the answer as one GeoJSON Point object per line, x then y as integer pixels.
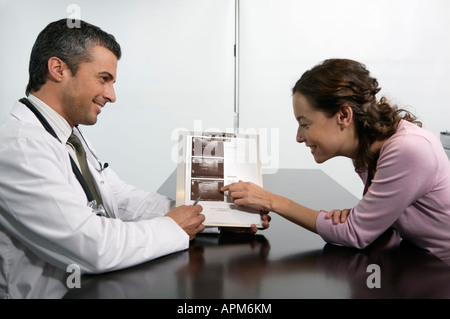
{"type": "Point", "coordinates": [42, 203]}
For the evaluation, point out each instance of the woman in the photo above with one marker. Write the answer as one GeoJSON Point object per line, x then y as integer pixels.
{"type": "Point", "coordinates": [404, 167]}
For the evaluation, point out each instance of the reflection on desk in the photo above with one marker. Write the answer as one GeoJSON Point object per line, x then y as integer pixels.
{"type": "Point", "coordinates": [282, 262]}
{"type": "Point", "coordinates": [238, 266]}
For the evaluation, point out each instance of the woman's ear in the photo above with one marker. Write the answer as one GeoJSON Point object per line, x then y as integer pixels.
{"type": "Point", "coordinates": [345, 116]}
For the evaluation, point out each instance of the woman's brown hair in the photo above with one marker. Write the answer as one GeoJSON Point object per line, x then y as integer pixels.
{"type": "Point", "coordinates": [336, 83]}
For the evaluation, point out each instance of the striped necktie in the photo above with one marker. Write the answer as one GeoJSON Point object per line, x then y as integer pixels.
{"type": "Point", "coordinates": [81, 156]}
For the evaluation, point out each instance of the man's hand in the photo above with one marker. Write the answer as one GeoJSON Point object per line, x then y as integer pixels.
{"type": "Point", "coordinates": [188, 218]}
{"type": "Point", "coordinates": [265, 217]}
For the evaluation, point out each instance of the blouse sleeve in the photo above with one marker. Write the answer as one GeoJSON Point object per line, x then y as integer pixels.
{"type": "Point", "coordinates": [406, 171]}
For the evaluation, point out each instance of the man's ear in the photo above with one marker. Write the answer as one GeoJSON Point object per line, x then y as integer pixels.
{"type": "Point", "coordinates": [56, 69]}
{"type": "Point", "coordinates": [345, 116]}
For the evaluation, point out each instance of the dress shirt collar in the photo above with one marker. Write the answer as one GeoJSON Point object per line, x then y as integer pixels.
{"type": "Point", "coordinates": [56, 121]}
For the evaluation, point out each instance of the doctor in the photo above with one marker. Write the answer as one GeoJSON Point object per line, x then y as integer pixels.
{"type": "Point", "coordinates": [42, 203]}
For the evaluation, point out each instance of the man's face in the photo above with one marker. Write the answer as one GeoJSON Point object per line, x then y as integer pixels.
{"type": "Point", "coordinates": [86, 93]}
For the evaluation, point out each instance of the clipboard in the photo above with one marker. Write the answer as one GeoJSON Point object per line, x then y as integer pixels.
{"type": "Point", "coordinates": [208, 161]}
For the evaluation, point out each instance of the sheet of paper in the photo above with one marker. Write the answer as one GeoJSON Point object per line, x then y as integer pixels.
{"type": "Point", "coordinates": [207, 162]}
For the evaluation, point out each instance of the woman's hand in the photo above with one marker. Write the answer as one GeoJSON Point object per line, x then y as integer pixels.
{"type": "Point", "coordinates": [249, 194]}
{"type": "Point", "coordinates": [254, 196]}
{"type": "Point", "coordinates": [337, 215]}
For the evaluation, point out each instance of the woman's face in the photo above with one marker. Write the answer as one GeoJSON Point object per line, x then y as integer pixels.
{"type": "Point", "coordinates": [327, 137]}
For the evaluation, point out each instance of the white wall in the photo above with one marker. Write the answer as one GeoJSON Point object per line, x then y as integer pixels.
{"type": "Point", "coordinates": [177, 69]}
{"type": "Point", "coordinates": [404, 43]}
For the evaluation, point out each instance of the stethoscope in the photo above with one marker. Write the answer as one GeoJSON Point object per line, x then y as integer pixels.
{"type": "Point", "coordinates": [92, 203]}
{"type": "Point", "coordinates": [102, 166]}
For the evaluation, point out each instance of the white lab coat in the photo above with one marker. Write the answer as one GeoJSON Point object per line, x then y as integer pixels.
{"type": "Point", "coordinates": [43, 205]}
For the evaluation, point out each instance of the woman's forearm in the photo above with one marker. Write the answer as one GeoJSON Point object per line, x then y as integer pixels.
{"type": "Point", "coordinates": [294, 212]}
{"type": "Point", "coordinates": [249, 194]}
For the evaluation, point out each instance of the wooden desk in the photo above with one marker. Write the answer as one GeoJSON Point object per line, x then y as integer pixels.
{"type": "Point", "coordinates": [282, 262]}
{"type": "Point", "coordinates": [242, 267]}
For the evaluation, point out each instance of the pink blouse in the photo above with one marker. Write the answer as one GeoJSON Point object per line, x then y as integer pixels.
{"type": "Point", "coordinates": [409, 192]}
